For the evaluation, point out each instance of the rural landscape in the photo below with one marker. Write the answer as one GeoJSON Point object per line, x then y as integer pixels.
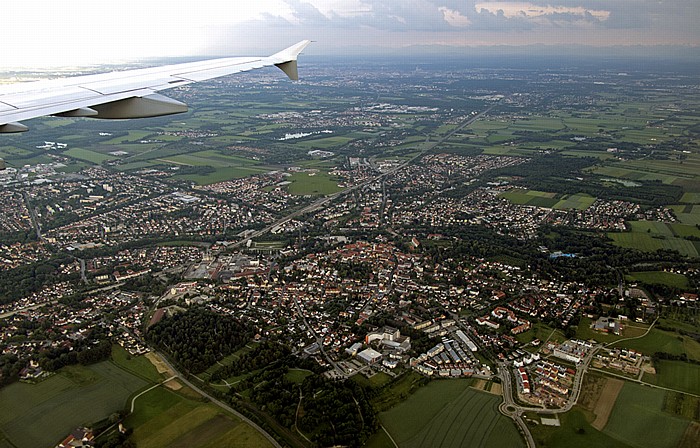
{"type": "Point", "coordinates": [388, 253]}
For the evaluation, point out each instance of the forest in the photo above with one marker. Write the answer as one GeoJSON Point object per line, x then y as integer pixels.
{"type": "Point", "coordinates": [198, 337]}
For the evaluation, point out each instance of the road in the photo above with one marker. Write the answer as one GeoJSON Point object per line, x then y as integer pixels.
{"type": "Point", "coordinates": [510, 409]}
{"type": "Point", "coordinates": [221, 404]}
{"type": "Point", "coordinates": [34, 219]}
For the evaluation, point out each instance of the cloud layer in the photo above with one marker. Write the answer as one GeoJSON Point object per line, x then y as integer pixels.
{"type": "Point", "coordinates": [52, 30]}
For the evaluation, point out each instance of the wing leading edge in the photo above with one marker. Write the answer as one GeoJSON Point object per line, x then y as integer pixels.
{"type": "Point", "coordinates": [125, 94]}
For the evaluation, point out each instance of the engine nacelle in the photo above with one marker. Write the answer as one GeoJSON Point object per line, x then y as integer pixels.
{"type": "Point", "coordinates": [154, 105]}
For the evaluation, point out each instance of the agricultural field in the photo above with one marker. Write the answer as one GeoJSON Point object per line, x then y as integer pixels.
{"type": "Point", "coordinates": [687, 214]}
{"type": "Point", "coordinates": [220, 174]}
{"type": "Point", "coordinates": [87, 155]}
{"type": "Point", "coordinates": [137, 365]}
{"type": "Point", "coordinates": [671, 279]}
{"type": "Point", "coordinates": [76, 395]}
{"type": "Point", "coordinates": [649, 242]}
{"type": "Point", "coordinates": [575, 432]}
{"type": "Point", "coordinates": [575, 201]}
{"type": "Point", "coordinates": [638, 418]}
{"type": "Point", "coordinates": [450, 413]}
{"type": "Point", "coordinates": [531, 197]}
{"type": "Point", "coordinates": [677, 375]}
{"type": "Point", "coordinates": [683, 405]}
{"type": "Point", "coordinates": [165, 418]}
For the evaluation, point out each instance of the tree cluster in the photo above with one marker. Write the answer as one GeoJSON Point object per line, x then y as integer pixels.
{"type": "Point", "coordinates": [198, 337]}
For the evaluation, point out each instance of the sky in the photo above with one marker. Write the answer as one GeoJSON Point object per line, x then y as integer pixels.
{"type": "Point", "coordinates": [47, 33]}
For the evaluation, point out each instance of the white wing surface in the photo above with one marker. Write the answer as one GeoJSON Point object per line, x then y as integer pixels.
{"type": "Point", "coordinates": [125, 94]}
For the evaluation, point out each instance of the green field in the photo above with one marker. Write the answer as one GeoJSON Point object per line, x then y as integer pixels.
{"type": "Point", "coordinates": [647, 242]}
{"type": "Point", "coordinates": [312, 183]}
{"type": "Point", "coordinates": [663, 341]}
{"type": "Point", "coordinates": [163, 418]}
{"type": "Point", "coordinates": [87, 155]}
{"type": "Point", "coordinates": [691, 198]}
{"type": "Point", "coordinates": [325, 143]}
{"type": "Point", "coordinates": [639, 420]}
{"type": "Point", "coordinates": [585, 332]}
{"type": "Point", "coordinates": [575, 432]}
{"type": "Point", "coordinates": [75, 396]}
{"type": "Point", "coordinates": [448, 413]}
{"type": "Point", "coordinates": [531, 197]}
{"type": "Point", "coordinates": [220, 174]}
{"type": "Point", "coordinates": [575, 201]}
{"type": "Point", "coordinates": [676, 375]}
{"type": "Point", "coordinates": [297, 375]}
{"type": "Point", "coordinates": [132, 136]}
{"type": "Point", "coordinates": [138, 365]}
{"type": "Point", "coordinates": [671, 279]}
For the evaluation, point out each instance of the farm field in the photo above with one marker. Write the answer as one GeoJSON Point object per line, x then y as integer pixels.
{"type": "Point", "coordinates": [138, 365]}
{"type": "Point", "coordinates": [76, 395]}
{"type": "Point", "coordinates": [163, 418]}
{"type": "Point", "coordinates": [87, 155]}
{"type": "Point", "coordinates": [671, 279]}
{"type": "Point", "coordinates": [676, 375]}
{"type": "Point", "coordinates": [450, 413]}
{"type": "Point", "coordinates": [531, 197]}
{"type": "Point", "coordinates": [575, 201]}
{"type": "Point", "coordinates": [220, 174]}
{"type": "Point", "coordinates": [638, 419]}
{"type": "Point", "coordinates": [575, 432]}
{"type": "Point", "coordinates": [646, 242]}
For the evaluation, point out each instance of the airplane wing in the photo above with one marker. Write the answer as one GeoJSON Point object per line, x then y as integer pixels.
{"type": "Point", "coordinates": [125, 94]}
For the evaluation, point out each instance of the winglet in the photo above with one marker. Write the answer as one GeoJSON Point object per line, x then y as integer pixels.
{"type": "Point", "coordinates": [286, 59]}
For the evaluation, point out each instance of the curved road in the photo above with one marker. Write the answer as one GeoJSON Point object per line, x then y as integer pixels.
{"type": "Point", "coordinates": [221, 404]}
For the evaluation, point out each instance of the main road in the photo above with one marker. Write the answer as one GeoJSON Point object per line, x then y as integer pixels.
{"type": "Point", "coordinates": [326, 199]}
{"type": "Point", "coordinates": [219, 403]}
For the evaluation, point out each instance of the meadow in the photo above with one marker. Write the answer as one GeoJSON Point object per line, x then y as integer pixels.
{"type": "Point", "coordinates": [664, 341]}
{"type": "Point", "coordinates": [638, 418]}
{"type": "Point", "coordinates": [76, 395]}
{"type": "Point", "coordinates": [449, 413]}
{"type": "Point", "coordinates": [676, 375]}
{"type": "Point", "coordinates": [165, 418]}
{"type": "Point", "coordinates": [575, 432]}
{"type": "Point", "coordinates": [671, 279]}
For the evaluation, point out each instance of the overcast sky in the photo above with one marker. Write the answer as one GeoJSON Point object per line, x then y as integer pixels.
{"type": "Point", "coordinates": [63, 32]}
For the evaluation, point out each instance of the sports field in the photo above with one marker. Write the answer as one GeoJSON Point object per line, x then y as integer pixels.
{"type": "Point", "coordinates": [163, 418]}
{"type": "Point", "coordinates": [312, 183]}
{"type": "Point", "coordinates": [76, 396]}
{"type": "Point", "coordinates": [639, 420]}
{"type": "Point", "coordinates": [449, 413]}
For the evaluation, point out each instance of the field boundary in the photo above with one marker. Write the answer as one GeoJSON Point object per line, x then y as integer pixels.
{"type": "Point", "coordinates": [606, 402]}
